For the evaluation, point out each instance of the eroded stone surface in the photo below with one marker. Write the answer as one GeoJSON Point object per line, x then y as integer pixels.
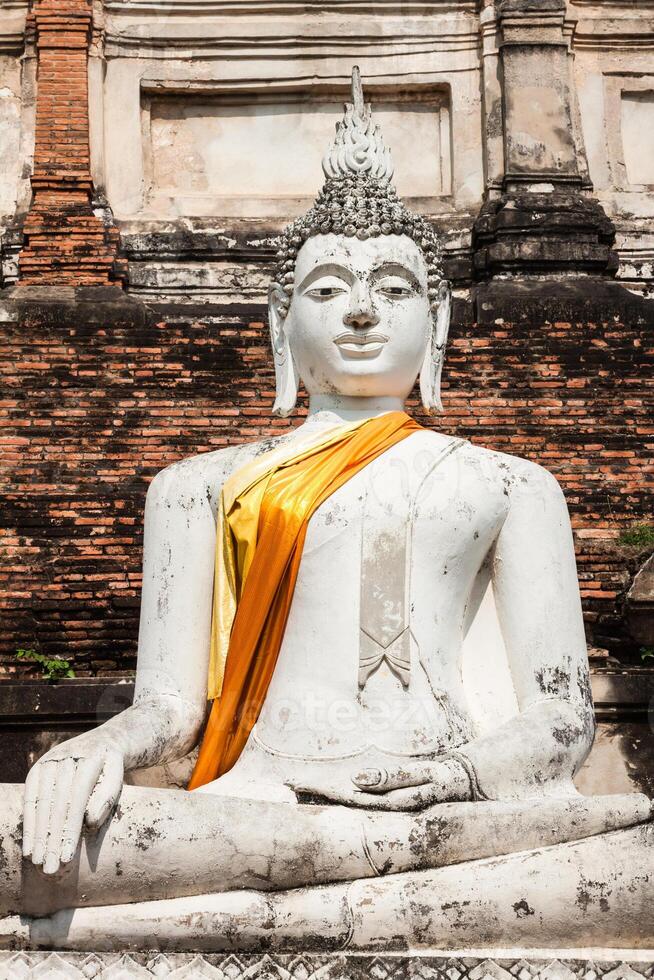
{"type": "Point", "coordinates": [305, 966]}
{"type": "Point", "coordinates": [574, 98]}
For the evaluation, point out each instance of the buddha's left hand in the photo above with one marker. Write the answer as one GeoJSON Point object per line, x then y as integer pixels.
{"type": "Point", "coordinates": [411, 786]}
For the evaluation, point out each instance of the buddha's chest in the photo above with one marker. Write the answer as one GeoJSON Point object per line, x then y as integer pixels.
{"type": "Point", "coordinates": [373, 637]}
{"type": "Point", "coordinates": [390, 559]}
{"type": "Point", "coordinates": [425, 509]}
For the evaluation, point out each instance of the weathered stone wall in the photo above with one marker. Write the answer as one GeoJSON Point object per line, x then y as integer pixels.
{"type": "Point", "coordinates": [552, 97]}
{"type": "Point", "coordinates": [98, 396]}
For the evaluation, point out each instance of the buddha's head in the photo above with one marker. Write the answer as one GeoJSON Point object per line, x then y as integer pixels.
{"type": "Point", "coordinates": [358, 307]}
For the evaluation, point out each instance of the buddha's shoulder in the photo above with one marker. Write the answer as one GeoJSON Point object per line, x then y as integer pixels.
{"type": "Point", "coordinates": [513, 474]}
{"type": "Point", "coordinates": [202, 475]}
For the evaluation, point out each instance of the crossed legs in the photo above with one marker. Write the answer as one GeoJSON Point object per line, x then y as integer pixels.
{"type": "Point", "coordinates": [162, 843]}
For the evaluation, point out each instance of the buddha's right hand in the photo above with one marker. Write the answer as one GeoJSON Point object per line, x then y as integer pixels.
{"type": "Point", "coordinates": [76, 783]}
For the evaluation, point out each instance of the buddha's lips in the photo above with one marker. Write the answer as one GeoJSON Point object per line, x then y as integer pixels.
{"type": "Point", "coordinates": [361, 344]}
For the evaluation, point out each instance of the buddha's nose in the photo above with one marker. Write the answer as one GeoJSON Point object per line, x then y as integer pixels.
{"type": "Point", "coordinates": [361, 312]}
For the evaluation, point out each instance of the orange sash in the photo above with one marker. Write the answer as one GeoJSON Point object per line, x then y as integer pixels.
{"type": "Point", "coordinates": [294, 492]}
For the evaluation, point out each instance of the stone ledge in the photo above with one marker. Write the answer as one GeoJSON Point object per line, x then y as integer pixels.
{"type": "Point", "coordinates": [573, 300]}
{"type": "Point", "coordinates": [623, 694]}
{"type": "Point", "coordinates": [34, 715]}
{"type": "Point", "coordinates": [518, 965]}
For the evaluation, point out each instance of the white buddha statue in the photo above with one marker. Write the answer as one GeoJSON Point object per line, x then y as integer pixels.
{"type": "Point", "coordinates": [350, 790]}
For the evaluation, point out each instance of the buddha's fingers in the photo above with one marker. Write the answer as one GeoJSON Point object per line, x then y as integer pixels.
{"type": "Point", "coordinates": [407, 798]}
{"type": "Point", "coordinates": [29, 810]}
{"type": "Point", "coordinates": [60, 804]}
{"type": "Point", "coordinates": [105, 793]}
{"type": "Point", "coordinates": [448, 778]}
{"type": "Point", "coordinates": [47, 774]}
{"type": "Point", "coordinates": [383, 780]}
{"type": "Point", "coordinates": [86, 777]}
{"type": "Point", "coordinates": [414, 798]}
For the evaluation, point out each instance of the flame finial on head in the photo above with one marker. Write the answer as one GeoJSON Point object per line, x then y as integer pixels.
{"type": "Point", "coordinates": [359, 145]}
{"type": "Point", "coordinates": [358, 198]}
{"type": "Point", "coordinates": [358, 100]}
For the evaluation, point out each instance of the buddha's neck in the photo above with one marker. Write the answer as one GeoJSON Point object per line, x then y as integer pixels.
{"type": "Point", "coordinates": [350, 409]}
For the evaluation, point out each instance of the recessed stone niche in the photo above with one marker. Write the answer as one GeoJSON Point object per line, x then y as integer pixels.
{"type": "Point", "coordinates": [259, 155]}
{"type": "Point", "coordinates": [638, 136]}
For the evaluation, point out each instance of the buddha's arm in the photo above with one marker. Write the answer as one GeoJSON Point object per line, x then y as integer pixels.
{"type": "Point", "coordinates": [79, 781]}
{"type": "Point", "coordinates": [537, 596]}
{"type": "Point", "coordinates": [173, 649]}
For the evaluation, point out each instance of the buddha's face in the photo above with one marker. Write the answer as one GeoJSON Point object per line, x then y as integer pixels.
{"type": "Point", "coordinates": [359, 321]}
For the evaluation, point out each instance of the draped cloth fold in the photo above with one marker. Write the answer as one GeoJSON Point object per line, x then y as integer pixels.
{"type": "Point", "coordinates": [265, 508]}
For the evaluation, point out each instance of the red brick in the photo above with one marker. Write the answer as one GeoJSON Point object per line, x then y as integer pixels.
{"type": "Point", "coordinates": [63, 244]}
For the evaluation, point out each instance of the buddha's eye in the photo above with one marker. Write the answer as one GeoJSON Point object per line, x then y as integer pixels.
{"type": "Point", "coordinates": [394, 289]}
{"type": "Point", "coordinates": [325, 290]}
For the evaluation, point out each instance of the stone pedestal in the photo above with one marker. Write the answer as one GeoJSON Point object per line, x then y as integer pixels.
{"type": "Point", "coordinates": [473, 965]}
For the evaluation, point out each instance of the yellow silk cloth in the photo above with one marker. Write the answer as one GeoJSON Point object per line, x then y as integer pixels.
{"type": "Point", "coordinates": [264, 511]}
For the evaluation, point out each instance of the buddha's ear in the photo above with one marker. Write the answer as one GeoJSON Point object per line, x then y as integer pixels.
{"type": "Point", "coordinates": [432, 366]}
{"type": "Point", "coordinates": [286, 377]}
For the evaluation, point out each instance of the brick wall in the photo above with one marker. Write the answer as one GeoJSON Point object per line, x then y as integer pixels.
{"type": "Point", "coordinates": [96, 397]}
{"type": "Point", "coordinates": [65, 243]}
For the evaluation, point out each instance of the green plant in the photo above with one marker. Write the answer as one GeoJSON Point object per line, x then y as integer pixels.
{"type": "Point", "coordinates": [52, 668]}
{"type": "Point", "coordinates": [646, 653]}
{"type": "Point", "coordinates": [640, 535]}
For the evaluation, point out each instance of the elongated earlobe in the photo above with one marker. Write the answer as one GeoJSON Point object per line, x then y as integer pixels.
{"type": "Point", "coordinates": [286, 376]}
{"type": "Point", "coordinates": [432, 366]}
